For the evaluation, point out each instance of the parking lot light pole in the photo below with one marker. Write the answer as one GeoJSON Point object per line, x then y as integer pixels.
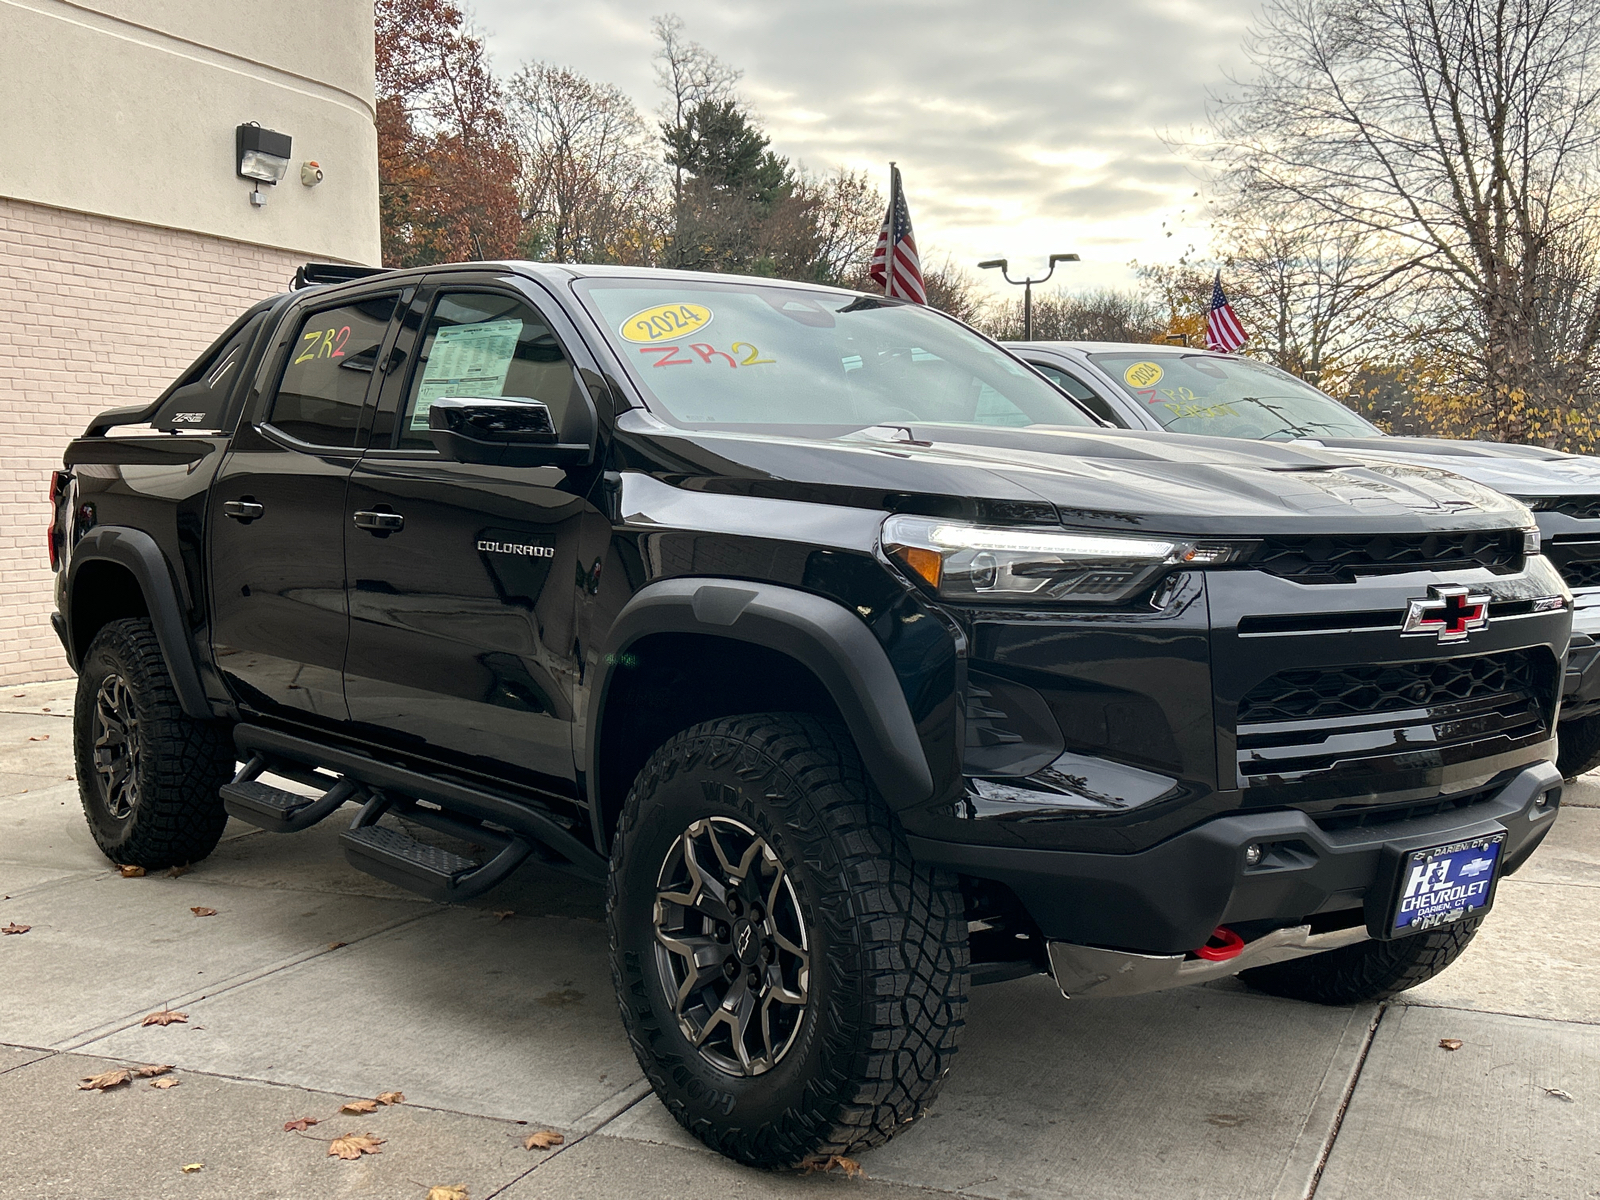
{"type": "Point", "coordinates": [1027, 286]}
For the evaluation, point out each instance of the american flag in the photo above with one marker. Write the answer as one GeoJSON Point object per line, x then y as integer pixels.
{"type": "Point", "coordinates": [895, 265]}
{"type": "Point", "coordinates": [1223, 331]}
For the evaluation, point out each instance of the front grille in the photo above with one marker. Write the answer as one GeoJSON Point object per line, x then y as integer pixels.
{"type": "Point", "coordinates": [1339, 559]}
{"type": "Point", "coordinates": [1388, 814]}
{"type": "Point", "coordinates": [1578, 561]}
{"type": "Point", "coordinates": [1582, 573]}
{"type": "Point", "coordinates": [1338, 724]}
{"type": "Point", "coordinates": [1585, 508]}
{"type": "Point", "coordinates": [1382, 687]}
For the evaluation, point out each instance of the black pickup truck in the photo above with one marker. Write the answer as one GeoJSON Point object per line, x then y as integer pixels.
{"type": "Point", "coordinates": [851, 655]}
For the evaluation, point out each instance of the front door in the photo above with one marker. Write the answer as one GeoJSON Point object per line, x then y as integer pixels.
{"type": "Point", "coordinates": [277, 517]}
{"type": "Point", "coordinates": [464, 579]}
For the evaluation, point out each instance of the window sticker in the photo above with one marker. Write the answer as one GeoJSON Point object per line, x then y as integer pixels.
{"type": "Point", "coordinates": [664, 321]}
{"type": "Point", "coordinates": [466, 360]}
{"type": "Point", "coordinates": [1143, 375]}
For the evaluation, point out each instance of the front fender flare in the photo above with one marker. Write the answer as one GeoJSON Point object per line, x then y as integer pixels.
{"type": "Point", "coordinates": [138, 553]}
{"type": "Point", "coordinates": [827, 639]}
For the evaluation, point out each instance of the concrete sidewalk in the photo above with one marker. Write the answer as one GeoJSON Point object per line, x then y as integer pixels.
{"type": "Point", "coordinates": [314, 985]}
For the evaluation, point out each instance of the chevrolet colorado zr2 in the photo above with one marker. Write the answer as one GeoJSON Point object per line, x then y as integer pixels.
{"type": "Point", "coordinates": [854, 659]}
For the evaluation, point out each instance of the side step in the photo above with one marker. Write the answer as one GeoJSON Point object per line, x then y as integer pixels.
{"type": "Point", "coordinates": [427, 870]}
{"type": "Point", "coordinates": [275, 809]}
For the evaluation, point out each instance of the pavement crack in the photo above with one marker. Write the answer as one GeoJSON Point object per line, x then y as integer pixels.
{"type": "Point", "coordinates": [1344, 1101]}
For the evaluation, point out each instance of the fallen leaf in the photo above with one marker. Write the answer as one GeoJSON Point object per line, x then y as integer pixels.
{"type": "Point", "coordinates": [299, 1124]}
{"type": "Point", "coordinates": [166, 1017]}
{"type": "Point", "coordinates": [1450, 1043]}
{"type": "Point", "coordinates": [176, 871]}
{"type": "Point", "coordinates": [454, 1191]}
{"type": "Point", "coordinates": [110, 1079]}
{"type": "Point", "coordinates": [387, 1098]}
{"type": "Point", "coordinates": [849, 1166]}
{"type": "Point", "coordinates": [352, 1146]}
{"type": "Point", "coordinates": [152, 1071]}
{"type": "Point", "coordinates": [543, 1140]}
{"type": "Point", "coordinates": [44, 738]}
{"type": "Point", "coordinates": [166, 1083]}
{"type": "Point", "coordinates": [191, 1168]}
{"type": "Point", "coordinates": [1558, 1093]}
{"type": "Point", "coordinates": [359, 1107]}
{"type": "Point", "coordinates": [15, 928]}
{"type": "Point", "coordinates": [336, 945]}
{"type": "Point", "coordinates": [131, 872]}
{"type": "Point", "coordinates": [202, 911]}
{"type": "Point", "coordinates": [505, 914]}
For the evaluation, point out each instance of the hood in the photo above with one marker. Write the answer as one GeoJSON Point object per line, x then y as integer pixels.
{"type": "Point", "coordinates": [1085, 478]}
{"type": "Point", "coordinates": [1529, 471]}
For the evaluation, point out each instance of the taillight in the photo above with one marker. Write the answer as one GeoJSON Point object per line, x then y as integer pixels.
{"type": "Point", "coordinates": [58, 484]}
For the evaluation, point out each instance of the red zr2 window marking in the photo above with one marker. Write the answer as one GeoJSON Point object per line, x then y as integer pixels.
{"type": "Point", "coordinates": [666, 359]}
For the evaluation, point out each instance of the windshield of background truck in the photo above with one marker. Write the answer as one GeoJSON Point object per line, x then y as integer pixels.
{"type": "Point", "coordinates": [1229, 397]}
{"type": "Point", "coordinates": [812, 363]}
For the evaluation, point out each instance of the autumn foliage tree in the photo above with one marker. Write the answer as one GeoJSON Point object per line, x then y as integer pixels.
{"type": "Point", "coordinates": [447, 160]}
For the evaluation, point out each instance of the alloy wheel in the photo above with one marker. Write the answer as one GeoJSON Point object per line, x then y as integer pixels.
{"type": "Point", "coordinates": [115, 738]}
{"type": "Point", "coordinates": [731, 946]}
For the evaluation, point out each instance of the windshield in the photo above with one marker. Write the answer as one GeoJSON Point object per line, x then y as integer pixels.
{"type": "Point", "coordinates": [748, 355]}
{"type": "Point", "coordinates": [1229, 397]}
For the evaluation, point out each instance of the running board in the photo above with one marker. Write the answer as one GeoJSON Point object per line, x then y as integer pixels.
{"type": "Point", "coordinates": [276, 809]}
{"type": "Point", "coordinates": [538, 831]}
{"type": "Point", "coordinates": [427, 870]}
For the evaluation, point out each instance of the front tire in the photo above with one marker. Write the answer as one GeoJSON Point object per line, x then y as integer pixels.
{"type": "Point", "coordinates": [792, 982]}
{"type": "Point", "coordinates": [148, 775]}
{"type": "Point", "coordinates": [1579, 746]}
{"type": "Point", "coordinates": [1366, 971]}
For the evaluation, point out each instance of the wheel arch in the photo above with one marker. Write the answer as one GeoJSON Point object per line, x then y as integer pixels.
{"type": "Point", "coordinates": [808, 653]}
{"type": "Point", "coordinates": [120, 572]}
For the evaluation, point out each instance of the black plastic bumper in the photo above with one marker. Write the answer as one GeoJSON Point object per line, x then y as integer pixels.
{"type": "Point", "coordinates": [1169, 898]}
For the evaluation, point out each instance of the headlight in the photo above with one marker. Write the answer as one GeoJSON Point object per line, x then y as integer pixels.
{"type": "Point", "coordinates": [1530, 541]}
{"type": "Point", "coordinates": [976, 562]}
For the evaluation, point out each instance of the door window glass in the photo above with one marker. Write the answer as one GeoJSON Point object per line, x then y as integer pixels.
{"type": "Point", "coordinates": [1081, 392]}
{"type": "Point", "coordinates": [483, 344]}
{"type": "Point", "coordinates": [330, 365]}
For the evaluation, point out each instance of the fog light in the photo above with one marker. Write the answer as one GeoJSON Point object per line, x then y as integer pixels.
{"type": "Point", "coordinates": [1252, 855]}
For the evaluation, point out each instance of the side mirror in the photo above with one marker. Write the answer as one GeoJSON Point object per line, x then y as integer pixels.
{"type": "Point", "coordinates": [503, 431]}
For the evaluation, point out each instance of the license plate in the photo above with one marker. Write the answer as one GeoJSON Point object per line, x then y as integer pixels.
{"type": "Point", "coordinates": [1443, 884]}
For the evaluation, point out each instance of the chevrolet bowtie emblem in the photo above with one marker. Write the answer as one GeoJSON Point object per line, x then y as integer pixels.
{"type": "Point", "coordinates": [1449, 612]}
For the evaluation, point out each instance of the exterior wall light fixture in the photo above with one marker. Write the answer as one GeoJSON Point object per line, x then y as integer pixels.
{"type": "Point", "coordinates": [262, 155]}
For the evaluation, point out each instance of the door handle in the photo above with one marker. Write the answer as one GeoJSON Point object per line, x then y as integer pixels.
{"type": "Point", "coordinates": [380, 522]}
{"type": "Point", "coordinates": [243, 510]}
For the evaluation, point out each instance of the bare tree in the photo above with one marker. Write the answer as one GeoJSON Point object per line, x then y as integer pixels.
{"type": "Point", "coordinates": [1100, 316]}
{"type": "Point", "coordinates": [591, 181]}
{"type": "Point", "coordinates": [1467, 134]}
{"type": "Point", "coordinates": [846, 212]}
{"type": "Point", "coordinates": [1315, 297]}
{"type": "Point", "coordinates": [691, 76]}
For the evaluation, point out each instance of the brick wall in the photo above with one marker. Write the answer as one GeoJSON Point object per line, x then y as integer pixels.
{"type": "Point", "coordinates": [94, 313]}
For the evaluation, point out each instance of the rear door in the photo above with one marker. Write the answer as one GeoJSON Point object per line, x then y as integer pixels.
{"type": "Point", "coordinates": [465, 579]}
{"type": "Point", "coordinates": [277, 514]}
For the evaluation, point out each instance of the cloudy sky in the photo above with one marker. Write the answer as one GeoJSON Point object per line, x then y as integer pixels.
{"type": "Point", "coordinates": [1022, 127]}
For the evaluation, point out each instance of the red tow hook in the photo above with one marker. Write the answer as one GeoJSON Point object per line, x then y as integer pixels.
{"type": "Point", "coordinates": [1222, 945]}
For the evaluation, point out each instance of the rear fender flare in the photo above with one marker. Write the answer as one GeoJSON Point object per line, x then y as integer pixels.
{"type": "Point", "coordinates": [137, 551]}
{"type": "Point", "coordinates": [825, 638]}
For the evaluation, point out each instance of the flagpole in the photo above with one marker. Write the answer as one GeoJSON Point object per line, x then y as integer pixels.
{"type": "Point", "coordinates": [894, 204]}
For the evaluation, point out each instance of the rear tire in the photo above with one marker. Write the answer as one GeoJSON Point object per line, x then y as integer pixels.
{"type": "Point", "coordinates": [148, 775]}
{"type": "Point", "coordinates": [1366, 971]}
{"type": "Point", "coordinates": [803, 905]}
{"type": "Point", "coordinates": [1579, 742]}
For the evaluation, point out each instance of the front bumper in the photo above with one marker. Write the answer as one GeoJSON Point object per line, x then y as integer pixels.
{"type": "Point", "coordinates": [1169, 898]}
